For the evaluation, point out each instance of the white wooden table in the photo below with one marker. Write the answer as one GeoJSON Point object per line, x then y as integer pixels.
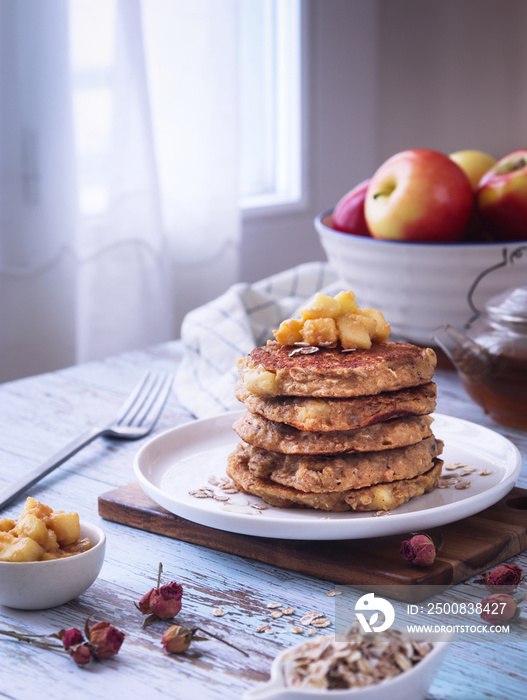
{"type": "Point", "coordinates": [38, 415]}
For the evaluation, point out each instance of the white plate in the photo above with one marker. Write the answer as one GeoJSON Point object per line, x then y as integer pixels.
{"type": "Point", "coordinates": [183, 459]}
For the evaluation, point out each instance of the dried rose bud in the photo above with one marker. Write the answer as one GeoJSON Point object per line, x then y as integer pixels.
{"type": "Point", "coordinates": [504, 578]}
{"type": "Point", "coordinates": [163, 602]}
{"type": "Point", "coordinates": [498, 607]}
{"type": "Point", "coordinates": [419, 550]}
{"type": "Point", "coordinates": [71, 637]}
{"type": "Point", "coordinates": [177, 639]}
{"type": "Point", "coordinates": [81, 655]}
{"type": "Point", "coordinates": [105, 640]}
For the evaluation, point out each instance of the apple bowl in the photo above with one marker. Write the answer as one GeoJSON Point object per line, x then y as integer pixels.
{"type": "Point", "coordinates": [37, 585]}
{"type": "Point", "coordinates": [420, 286]}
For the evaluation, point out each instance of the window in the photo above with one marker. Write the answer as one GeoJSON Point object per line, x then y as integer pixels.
{"type": "Point", "coordinates": [270, 103]}
{"type": "Point", "coordinates": [270, 100]}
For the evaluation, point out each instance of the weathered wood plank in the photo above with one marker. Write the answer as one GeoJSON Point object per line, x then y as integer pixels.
{"type": "Point", "coordinates": [40, 414]}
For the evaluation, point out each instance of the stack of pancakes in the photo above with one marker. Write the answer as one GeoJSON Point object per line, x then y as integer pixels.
{"type": "Point", "coordinates": [336, 430]}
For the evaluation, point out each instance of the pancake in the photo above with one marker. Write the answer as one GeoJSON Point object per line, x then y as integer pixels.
{"type": "Point", "coordinates": [307, 413]}
{"type": "Point", "coordinates": [282, 370]}
{"type": "Point", "coordinates": [321, 473]}
{"type": "Point", "coordinates": [383, 496]}
{"type": "Point", "coordinates": [279, 437]}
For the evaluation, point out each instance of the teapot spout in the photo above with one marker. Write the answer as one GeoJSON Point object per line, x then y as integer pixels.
{"type": "Point", "coordinates": [469, 358]}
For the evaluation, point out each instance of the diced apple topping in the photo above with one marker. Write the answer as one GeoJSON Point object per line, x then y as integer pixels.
{"type": "Point", "coordinates": [328, 320]}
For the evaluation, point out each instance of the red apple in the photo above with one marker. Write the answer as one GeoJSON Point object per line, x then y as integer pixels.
{"type": "Point", "coordinates": [419, 195]}
{"type": "Point", "coordinates": [502, 197]}
{"type": "Point", "coordinates": [348, 215]}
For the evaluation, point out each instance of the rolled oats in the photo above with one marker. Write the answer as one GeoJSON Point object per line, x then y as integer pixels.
{"type": "Point", "coordinates": [310, 616]}
{"type": "Point", "coordinates": [262, 628]}
{"type": "Point", "coordinates": [462, 485]}
{"type": "Point", "coordinates": [321, 622]}
{"type": "Point", "coordinates": [360, 660]}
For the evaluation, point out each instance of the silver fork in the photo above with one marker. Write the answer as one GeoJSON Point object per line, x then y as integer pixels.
{"type": "Point", "coordinates": [135, 420]}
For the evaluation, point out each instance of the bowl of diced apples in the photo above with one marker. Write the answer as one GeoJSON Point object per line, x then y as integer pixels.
{"type": "Point", "coordinates": [47, 557]}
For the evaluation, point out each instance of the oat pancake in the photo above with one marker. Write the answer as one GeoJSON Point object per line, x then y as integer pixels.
{"type": "Point", "coordinates": [278, 370]}
{"type": "Point", "coordinates": [321, 473]}
{"type": "Point", "coordinates": [307, 413]}
{"type": "Point", "coordinates": [279, 437]}
{"type": "Point", "coordinates": [384, 496]}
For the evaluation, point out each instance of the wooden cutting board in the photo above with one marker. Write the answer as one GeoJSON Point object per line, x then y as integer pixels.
{"type": "Point", "coordinates": [470, 546]}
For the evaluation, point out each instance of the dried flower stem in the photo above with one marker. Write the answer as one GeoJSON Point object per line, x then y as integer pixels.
{"type": "Point", "coordinates": [34, 639]}
{"type": "Point", "coordinates": [220, 639]}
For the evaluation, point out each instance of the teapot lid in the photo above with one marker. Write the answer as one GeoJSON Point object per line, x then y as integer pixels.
{"type": "Point", "coordinates": [510, 306]}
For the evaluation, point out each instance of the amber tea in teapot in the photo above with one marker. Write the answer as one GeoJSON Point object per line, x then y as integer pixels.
{"type": "Point", "coordinates": [492, 357]}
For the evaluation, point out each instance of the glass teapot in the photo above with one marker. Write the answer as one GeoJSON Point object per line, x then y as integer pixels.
{"type": "Point", "coordinates": [491, 357]}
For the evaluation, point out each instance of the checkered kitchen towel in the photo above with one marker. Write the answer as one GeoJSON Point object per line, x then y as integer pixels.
{"type": "Point", "coordinates": [217, 334]}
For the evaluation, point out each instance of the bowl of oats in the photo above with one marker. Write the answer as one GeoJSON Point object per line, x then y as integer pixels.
{"type": "Point", "coordinates": [357, 666]}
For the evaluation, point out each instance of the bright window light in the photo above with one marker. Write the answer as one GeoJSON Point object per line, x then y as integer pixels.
{"type": "Point", "coordinates": [270, 103]}
{"type": "Point", "coordinates": [270, 100]}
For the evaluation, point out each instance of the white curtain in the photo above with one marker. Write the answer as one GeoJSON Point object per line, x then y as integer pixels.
{"type": "Point", "coordinates": [114, 220]}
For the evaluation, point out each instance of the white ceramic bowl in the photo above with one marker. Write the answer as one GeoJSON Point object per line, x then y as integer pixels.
{"type": "Point", "coordinates": [36, 585]}
{"type": "Point", "coordinates": [409, 685]}
{"type": "Point", "coordinates": [420, 286]}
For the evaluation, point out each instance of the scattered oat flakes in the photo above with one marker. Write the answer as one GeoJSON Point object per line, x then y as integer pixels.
{"type": "Point", "coordinates": [485, 472]}
{"type": "Point", "coordinates": [223, 498]}
{"type": "Point", "coordinates": [311, 632]}
{"type": "Point", "coordinates": [321, 622]}
{"type": "Point", "coordinates": [201, 493]}
{"type": "Point", "coordinates": [262, 628]}
{"type": "Point", "coordinates": [333, 593]}
{"type": "Point", "coordinates": [218, 612]}
{"type": "Point", "coordinates": [288, 611]}
{"type": "Point", "coordinates": [273, 605]}
{"type": "Point", "coordinates": [310, 616]}
{"type": "Point", "coordinates": [276, 614]}
{"type": "Point", "coordinates": [462, 485]}
{"type": "Point", "coordinates": [258, 506]}
{"type": "Point", "coordinates": [296, 629]}
{"type": "Point", "coordinates": [447, 481]}
{"type": "Point", "coordinates": [468, 470]}
{"type": "Point", "coordinates": [269, 631]}
{"type": "Point", "coordinates": [304, 350]}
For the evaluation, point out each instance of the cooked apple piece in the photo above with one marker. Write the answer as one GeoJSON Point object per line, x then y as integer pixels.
{"type": "Point", "coordinates": [320, 331]}
{"type": "Point", "coordinates": [353, 333]}
{"type": "Point", "coordinates": [22, 549]}
{"type": "Point", "coordinates": [347, 302]}
{"type": "Point", "coordinates": [322, 306]}
{"type": "Point", "coordinates": [29, 525]}
{"type": "Point", "coordinates": [289, 332]}
{"type": "Point", "coordinates": [382, 329]}
{"type": "Point", "coordinates": [6, 524]}
{"type": "Point", "coordinates": [65, 526]}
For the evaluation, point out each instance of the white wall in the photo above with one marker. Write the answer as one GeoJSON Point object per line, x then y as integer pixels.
{"type": "Point", "coordinates": [386, 75]}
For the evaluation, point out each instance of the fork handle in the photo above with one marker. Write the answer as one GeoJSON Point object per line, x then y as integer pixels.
{"type": "Point", "coordinates": [34, 475]}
